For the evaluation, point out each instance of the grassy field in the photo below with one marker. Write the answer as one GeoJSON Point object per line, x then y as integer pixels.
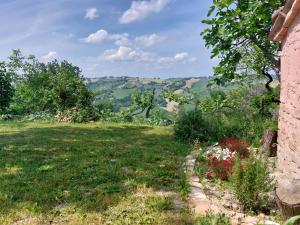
{"type": "Point", "coordinates": [97, 173]}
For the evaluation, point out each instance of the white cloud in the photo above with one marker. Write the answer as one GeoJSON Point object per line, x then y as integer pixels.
{"type": "Point", "coordinates": [103, 35]}
{"type": "Point", "coordinates": [149, 41]}
{"type": "Point", "coordinates": [124, 53]}
{"type": "Point", "coordinates": [97, 37]}
{"type": "Point", "coordinates": [127, 54]}
{"type": "Point", "coordinates": [179, 57]}
{"type": "Point", "coordinates": [141, 9]}
{"type": "Point", "coordinates": [91, 13]}
{"type": "Point", "coordinates": [49, 57]}
{"type": "Point", "coordinates": [120, 39]}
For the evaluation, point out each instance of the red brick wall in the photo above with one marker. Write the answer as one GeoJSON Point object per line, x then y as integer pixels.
{"type": "Point", "coordinates": [289, 118]}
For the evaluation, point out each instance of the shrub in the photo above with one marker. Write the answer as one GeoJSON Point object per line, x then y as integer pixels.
{"type": "Point", "coordinates": [38, 116]}
{"type": "Point", "coordinates": [77, 115]}
{"type": "Point", "coordinates": [251, 183]}
{"type": "Point", "coordinates": [193, 125]}
{"type": "Point", "coordinates": [5, 117]}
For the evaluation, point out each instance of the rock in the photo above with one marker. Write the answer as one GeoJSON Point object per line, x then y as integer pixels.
{"type": "Point", "coordinates": [250, 220]}
{"type": "Point", "coordinates": [269, 222]}
{"type": "Point", "coordinates": [197, 193]}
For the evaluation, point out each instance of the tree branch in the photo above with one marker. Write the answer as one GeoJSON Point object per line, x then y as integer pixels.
{"type": "Point", "coordinates": [269, 55]}
{"type": "Point", "coordinates": [267, 85]}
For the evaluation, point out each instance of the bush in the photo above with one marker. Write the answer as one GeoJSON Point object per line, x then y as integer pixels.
{"type": "Point", "coordinates": [193, 125]}
{"type": "Point", "coordinates": [6, 117]}
{"type": "Point", "coordinates": [77, 115]}
{"type": "Point", "coordinates": [38, 116]}
{"type": "Point", "coordinates": [251, 183]}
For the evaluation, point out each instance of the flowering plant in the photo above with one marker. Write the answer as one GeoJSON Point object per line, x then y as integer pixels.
{"type": "Point", "coordinates": [221, 157]}
{"type": "Point", "coordinates": [236, 145]}
{"type": "Point", "coordinates": [220, 163]}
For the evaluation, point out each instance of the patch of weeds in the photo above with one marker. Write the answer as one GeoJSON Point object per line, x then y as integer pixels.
{"type": "Point", "coordinates": [251, 183]}
{"type": "Point", "coordinates": [210, 219]}
{"type": "Point", "coordinates": [184, 187]}
{"type": "Point", "coordinates": [141, 208]}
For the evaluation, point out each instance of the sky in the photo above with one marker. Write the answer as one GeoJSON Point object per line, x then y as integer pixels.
{"type": "Point", "coordinates": [146, 38]}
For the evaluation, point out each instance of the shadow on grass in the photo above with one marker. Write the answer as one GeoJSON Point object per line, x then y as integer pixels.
{"type": "Point", "coordinates": [90, 167]}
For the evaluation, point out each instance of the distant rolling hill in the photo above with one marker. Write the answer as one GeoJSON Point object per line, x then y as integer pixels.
{"type": "Point", "coordinates": [119, 89]}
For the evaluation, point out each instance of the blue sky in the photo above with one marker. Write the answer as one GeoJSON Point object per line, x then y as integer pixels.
{"type": "Point", "coordinates": [148, 38]}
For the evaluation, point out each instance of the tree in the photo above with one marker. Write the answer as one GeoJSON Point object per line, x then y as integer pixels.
{"type": "Point", "coordinates": [181, 99]}
{"type": "Point", "coordinates": [141, 102]}
{"type": "Point", "coordinates": [237, 35]}
{"type": "Point", "coordinates": [52, 87]}
{"type": "Point", "coordinates": [6, 88]}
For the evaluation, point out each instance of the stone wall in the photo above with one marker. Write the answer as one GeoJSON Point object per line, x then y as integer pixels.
{"type": "Point", "coordinates": [289, 121]}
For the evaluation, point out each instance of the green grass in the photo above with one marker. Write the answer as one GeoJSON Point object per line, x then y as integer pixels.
{"type": "Point", "coordinates": [85, 173]}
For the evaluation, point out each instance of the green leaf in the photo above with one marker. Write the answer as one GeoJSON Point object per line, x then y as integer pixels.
{"type": "Point", "coordinates": [211, 10]}
{"type": "Point", "coordinates": [292, 220]}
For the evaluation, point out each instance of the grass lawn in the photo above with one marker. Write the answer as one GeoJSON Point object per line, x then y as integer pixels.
{"type": "Point", "coordinates": [97, 173]}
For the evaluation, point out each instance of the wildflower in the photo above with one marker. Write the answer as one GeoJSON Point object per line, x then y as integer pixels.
{"type": "Point", "coordinates": [208, 175]}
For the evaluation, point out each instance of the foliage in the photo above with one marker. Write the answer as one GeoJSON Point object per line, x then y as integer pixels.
{"type": "Point", "coordinates": [142, 101]}
{"type": "Point", "coordinates": [251, 183]}
{"type": "Point", "coordinates": [229, 114]}
{"type": "Point", "coordinates": [104, 108]}
{"type": "Point", "coordinates": [179, 98]}
{"type": "Point", "coordinates": [210, 219]}
{"type": "Point", "coordinates": [6, 88]}
{"type": "Point", "coordinates": [292, 220]}
{"type": "Point", "coordinates": [79, 173]}
{"type": "Point", "coordinates": [48, 88]}
{"type": "Point", "coordinates": [237, 35]}
{"type": "Point", "coordinates": [42, 116]}
{"type": "Point", "coordinates": [193, 125]}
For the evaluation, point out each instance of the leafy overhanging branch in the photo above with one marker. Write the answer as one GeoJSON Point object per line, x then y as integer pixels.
{"type": "Point", "coordinates": [237, 36]}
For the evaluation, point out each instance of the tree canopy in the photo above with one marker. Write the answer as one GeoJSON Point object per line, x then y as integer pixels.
{"type": "Point", "coordinates": [237, 35]}
{"type": "Point", "coordinates": [53, 87]}
{"type": "Point", "coordinates": [6, 88]}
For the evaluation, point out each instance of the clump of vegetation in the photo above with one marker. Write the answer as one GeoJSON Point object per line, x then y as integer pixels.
{"type": "Point", "coordinates": [35, 88]}
{"type": "Point", "coordinates": [142, 208]}
{"type": "Point", "coordinates": [6, 87]}
{"type": "Point", "coordinates": [228, 114]}
{"type": "Point", "coordinates": [210, 219]}
{"type": "Point", "coordinates": [192, 125]}
{"type": "Point", "coordinates": [292, 220]}
{"type": "Point", "coordinates": [251, 183]}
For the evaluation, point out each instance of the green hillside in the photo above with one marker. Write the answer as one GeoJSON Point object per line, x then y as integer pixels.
{"type": "Point", "coordinates": [119, 89]}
